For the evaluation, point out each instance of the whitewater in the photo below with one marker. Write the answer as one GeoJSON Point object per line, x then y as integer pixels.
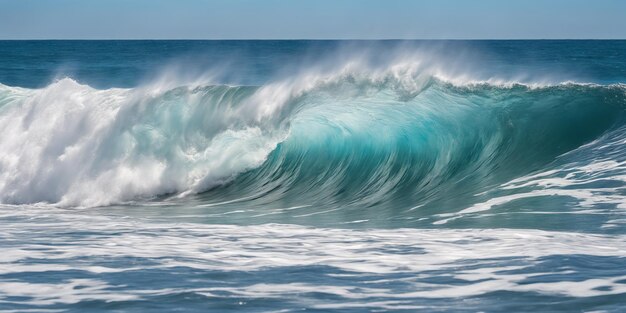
{"type": "Point", "coordinates": [318, 176]}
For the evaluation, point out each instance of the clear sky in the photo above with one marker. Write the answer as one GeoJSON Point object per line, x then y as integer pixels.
{"type": "Point", "coordinates": [312, 19]}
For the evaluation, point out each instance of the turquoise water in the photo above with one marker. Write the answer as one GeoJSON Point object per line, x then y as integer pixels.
{"type": "Point", "coordinates": [324, 176]}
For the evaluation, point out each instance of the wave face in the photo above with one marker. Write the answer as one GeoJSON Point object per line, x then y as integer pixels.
{"type": "Point", "coordinates": [401, 137]}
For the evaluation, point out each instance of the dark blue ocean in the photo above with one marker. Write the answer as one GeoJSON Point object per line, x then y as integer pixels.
{"type": "Point", "coordinates": [315, 176]}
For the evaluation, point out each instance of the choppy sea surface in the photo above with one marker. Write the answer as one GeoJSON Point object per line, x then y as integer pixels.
{"type": "Point", "coordinates": [318, 176]}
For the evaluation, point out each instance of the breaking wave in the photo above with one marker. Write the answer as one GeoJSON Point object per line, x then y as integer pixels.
{"type": "Point", "coordinates": [356, 136]}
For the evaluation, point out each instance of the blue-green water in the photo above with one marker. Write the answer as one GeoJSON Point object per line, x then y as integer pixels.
{"type": "Point", "coordinates": [324, 176]}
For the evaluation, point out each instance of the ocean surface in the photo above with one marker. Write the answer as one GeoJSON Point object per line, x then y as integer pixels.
{"type": "Point", "coordinates": [313, 176]}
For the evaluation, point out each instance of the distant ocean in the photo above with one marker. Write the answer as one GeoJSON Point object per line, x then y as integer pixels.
{"type": "Point", "coordinates": [313, 176]}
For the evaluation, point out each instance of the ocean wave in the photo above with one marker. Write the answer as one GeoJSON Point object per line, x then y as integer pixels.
{"type": "Point", "coordinates": [354, 136]}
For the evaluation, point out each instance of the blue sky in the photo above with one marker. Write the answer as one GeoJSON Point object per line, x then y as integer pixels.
{"type": "Point", "coordinates": [314, 19]}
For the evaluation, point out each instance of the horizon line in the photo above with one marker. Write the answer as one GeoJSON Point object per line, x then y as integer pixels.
{"type": "Point", "coordinates": [304, 39]}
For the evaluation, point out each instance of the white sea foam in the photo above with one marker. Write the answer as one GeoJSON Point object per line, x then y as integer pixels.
{"type": "Point", "coordinates": [69, 144]}
{"type": "Point", "coordinates": [422, 261]}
